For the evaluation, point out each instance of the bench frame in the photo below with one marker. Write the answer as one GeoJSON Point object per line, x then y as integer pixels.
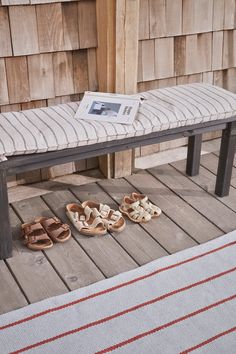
{"type": "Point", "coordinates": [23, 163]}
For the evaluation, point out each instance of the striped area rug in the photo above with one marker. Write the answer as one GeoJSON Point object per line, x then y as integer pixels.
{"type": "Point", "coordinates": [178, 304]}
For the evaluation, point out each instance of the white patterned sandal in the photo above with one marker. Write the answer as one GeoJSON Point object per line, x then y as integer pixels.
{"type": "Point", "coordinates": [152, 209]}
{"type": "Point", "coordinates": [85, 220]}
{"type": "Point", "coordinates": [134, 210]}
{"type": "Point", "coordinates": [113, 219]}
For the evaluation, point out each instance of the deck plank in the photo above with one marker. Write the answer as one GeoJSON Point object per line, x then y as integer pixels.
{"type": "Point", "coordinates": [210, 162]}
{"type": "Point", "coordinates": [203, 202]}
{"type": "Point", "coordinates": [175, 208]}
{"type": "Point", "coordinates": [189, 212]}
{"type": "Point", "coordinates": [206, 180]}
{"type": "Point", "coordinates": [140, 245]}
{"type": "Point", "coordinates": [32, 270]}
{"type": "Point", "coordinates": [68, 259]}
{"type": "Point", "coordinates": [105, 252]}
{"type": "Point", "coordinates": [163, 230]}
{"type": "Point", "coordinates": [11, 297]}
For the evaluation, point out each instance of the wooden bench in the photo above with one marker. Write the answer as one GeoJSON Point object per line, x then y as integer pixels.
{"type": "Point", "coordinates": [154, 124]}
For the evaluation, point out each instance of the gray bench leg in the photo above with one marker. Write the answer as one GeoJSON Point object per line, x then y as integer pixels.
{"type": "Point", "coordinates": [226, 159]}
{"type": "Point", "coordinates": [194, 154]}
{"type": "Point", "coordinates": [5, 228]}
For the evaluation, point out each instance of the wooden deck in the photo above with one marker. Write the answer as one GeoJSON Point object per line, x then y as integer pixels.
{"type": "Point", "coordinates": [192, 214]}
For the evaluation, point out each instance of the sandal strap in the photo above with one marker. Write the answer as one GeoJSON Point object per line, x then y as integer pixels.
{"type": "Point", "coordinates": [116, 215]}
{"type": "Point", "coordinates": [29, 228]}
{"type": "Point", "coordinates": [50, 221]}
{"type": "Point", "coordinates": [149, 207]}
{"type": "Point", "coordinates": [35, 238]}
{"type": "Point", "coordinates": [62, 228]}
{"type": "Point", "coordinates": [104, 210]}
{"type": "Point", "coordinates": [97, 221]}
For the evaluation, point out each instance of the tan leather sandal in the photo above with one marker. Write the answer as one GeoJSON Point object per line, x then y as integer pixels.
{"type": "Point", "coordinates": [113, 219]}
{"type": "Point", "coordinates": [85, 220]}
{"type": "Point", "coordinates": [55, 229]}
{"type": "Point", "coordinates": [152, 209]}
{"type": "Point", "coordinates": [35, 236]}
{"type": "Point", "coordinates": [133, 210]}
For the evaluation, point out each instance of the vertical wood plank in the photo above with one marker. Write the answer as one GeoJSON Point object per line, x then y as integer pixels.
{"type": "Point", "coordinates": [80, 70]}
{"type": "Point", "coordinates": [208, 77]}
{"type": "Point", "coordinates": [3, 84]}
{"type": "Point", "coordinates": [198, 53]}
{"type": "Point", "coordinates": [131, 45]}
{"type": "Point", "coordinates": [41, 78]}
{"type": "Point", "coordinates": [11, 108]}
{"type": "Point", "coordinates": [157, 10]}
{"type": "Point", "coordinates": [180, 55]}
{"type": "Point", "coordinates": [120, 46]}
{"type": "Point", "coordinates": [218, 15]}
{"type": "Point", "coordinates": [50, 32]}
{"type": "Point", "coordinates": [63, 73]}
{"type": "Point", "coordinates": [148, 59]}
{"type": "Point", "coordinates": [70, 25]}
{"type": "Point", "coordinates": [23, 30]}
{"type": "Point", "coordinates": [140, 65]}
{"type": "Point", "coordinates": [5, 39]}
{"type": "Point", "coordinates": [92, 69]}
{"type": "Point", "coordinates": [17, 79]}
{"type": "Point", "coordinates": [217, 50]}
{"type": "Point", "coordinates": [219, 78]}
{"type": "Point", "coordinates": [107, 46]}
{"type": "Point", "coordinates": [34, 104]}
{"type": "Point", "coordinates": [189, 79]}
{"type": "Point", "coordinates": [87, 24]}
{"type": "Point", "coordinates": [164, 57]}
{"type": "Point", "coordinates": [166, 82]}
{"type": "Point", "coordinates": [123, 163]}
{"type": "Point", "coordinates": [230, 17]}
{"type": "Point", "coordinates": [127, 29]}
{"type": "Point", "coordinates": [197, 16]}
{"type": "Point", "coordinates": [144, 20]}
{"type": "Point", "coordinates": [229, 49]}
{"type": "Point", "coordinates": [173, 17]}
{"type": "Point", "coordinates": [105, 10]}
{"type": "Point", "coordinates": [230, 81]}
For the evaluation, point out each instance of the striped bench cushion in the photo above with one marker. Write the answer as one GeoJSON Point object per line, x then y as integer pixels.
{"type": "Point", "coordinates": [55, 128]}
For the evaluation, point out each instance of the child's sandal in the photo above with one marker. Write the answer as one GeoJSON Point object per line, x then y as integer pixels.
{"type": "Point", "coordinates": [35, 236]}
{"type": "Point", "coordinates": [113, 219]}
{"type": "Point", "coordinates": [85, 220]}
{"type": "Point", "coordinates": [150, 208]}
{"type": "Point", "coordinates": [134, 211]}
{"type": "Point", "coordinates": [56, 230]}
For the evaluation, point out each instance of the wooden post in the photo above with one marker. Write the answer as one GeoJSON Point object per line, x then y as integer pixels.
{"type": "Point", "coordinates": [106, 31]}
{"type": "Point", "coordinates": [194, 154]}
{"type": "Point", "coordinates": [5, 231]}
{"type": "Point", "coordinates": [226, 159]}
{"type": "Point", "coordinates": [117, 61]}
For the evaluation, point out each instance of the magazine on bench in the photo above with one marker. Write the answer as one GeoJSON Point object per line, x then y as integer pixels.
{"type": "Point", "coordinates": [108, 107]}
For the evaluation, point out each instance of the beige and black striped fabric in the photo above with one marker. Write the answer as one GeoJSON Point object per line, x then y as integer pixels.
{"type": "Point", "coordinates": [55, 128]}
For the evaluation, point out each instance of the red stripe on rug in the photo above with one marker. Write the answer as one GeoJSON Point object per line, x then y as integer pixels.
{"type": "Point", "coordinates": [209, 340]}
{"type": "Point", "coordinates": [124, 312]}
{"type": "Point", "coordinates": [166, 325]}
{"type": "Point", "coordinates": [116, 287]}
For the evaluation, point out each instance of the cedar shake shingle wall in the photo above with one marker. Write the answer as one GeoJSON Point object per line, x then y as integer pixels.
{"type": "Point", "coordinates": [47, 56]}
{"type": "Point", "coordinates": [184, 41]}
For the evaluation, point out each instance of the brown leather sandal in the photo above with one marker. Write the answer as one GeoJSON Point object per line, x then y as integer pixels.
{"type": "Point", "coordinates": [35, 237]}
{"type": "Point", "coordinates": [55, 229]}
